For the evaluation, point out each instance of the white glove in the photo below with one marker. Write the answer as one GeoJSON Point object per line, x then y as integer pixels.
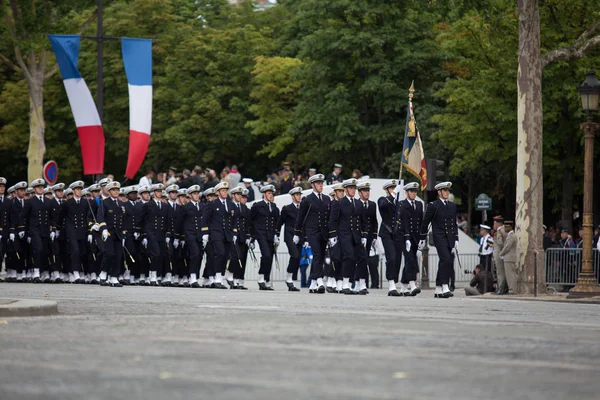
{"type": "Point", "coordinates": [248, 242]}
{"type": "Point", "coordinates": [182, 244]}
{"type": "Point", "coordinates": [363, 241]}
{"type": "Point", "coordinates": [21, 235]}
{"type": "Point", "coordinates": [327, 260]}
{"type": "Point", "coordinates": [11, 237]}
{"type": "Point", "coordinates": [95, 227]}
{"type": "Point", "coordinates": [234, 239]}
{"type": "Point", "coordinates": [57, 234]}
{"type": "Point", "coordinates": [204, 240]}
{"type": "Point", "coordinates": [598, 245]}
{"type": "Point", "coordinates": [168, 240]}
{"type": "Point", "coordinates": [408, 245]}
{"type": "Point", "coordinates": [136, 235]}
{"type": "Point", "coordinates": [176, 243]}
{"type": "Point", "coordinates": [397, 189]}
{"type": "Point", "coordinates": [52, 235]}
{"type": "Point", "coordinates": [276, 240]}
{"type": "Point", "coordinates": [29, 239]}
{"type": "Point", "coordinates": [123, 242]}
{"type": "Point", "coordinates": [422, 244]}
{"type": "Point", "coordinates": [332, 241]}
{"type": "Point", "coordinates": [296, 239]}
{"type": "Point", "coordinates": [305, 245]}
{"type": "Point", "coordinates": [104, 235]}
{"type": "Point", "coordinates": [90, 238]}
{"type": "Point", "coordinates": [145, 242]}
{"type": "Point", "coordinates": [0, 237]}
{"type": "Point", "coordinates": [252, 245]}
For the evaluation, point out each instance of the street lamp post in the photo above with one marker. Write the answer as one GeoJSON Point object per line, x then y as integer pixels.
{"type": "Point", "coordinates": [587, 284]}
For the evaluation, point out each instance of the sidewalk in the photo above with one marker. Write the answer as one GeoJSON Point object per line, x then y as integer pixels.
{"type": "Point", "coordinates": [27, 308]}
{"type": "Point", "coordinates": [557, 298]}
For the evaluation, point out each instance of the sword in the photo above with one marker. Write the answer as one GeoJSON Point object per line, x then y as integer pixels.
{"type": "Point", "coordinates": [253, 256]}
{"type": "Point", "coordinates": [458, 258]}
{"type": "Point", "coordinates": [237, 252]}
{"type": "Point", "coordinates": [275, 257]}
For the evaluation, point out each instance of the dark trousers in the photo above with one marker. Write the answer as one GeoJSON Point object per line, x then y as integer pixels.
{"type": "Point", "coordinates": [446, 265]}
{"type": "Point", "coordinates": [113, 256]}
{"type": "Point", "coordinates": [486, 261]}
{"type": "Point", "coordinates": [157, 250]}
{"type": "Point", "coordinates": [145, 260]}
{"type": "Point", "coordinates": [221, 250]}
{"type": "Point", "coordinates": [78, 254]}
{"type": "Point", "coordinates": [99, 246]}
{"type": "Point", "coordinates": [209, 268]}
{"type": "Point", "coordinates": [133, 247]}
{"type": "Point", "coordinates": [15, 256]}
{"type": "Point", "coordinates": [195, 249]}
{"type": "Point", "coordinates": [266, 257]}
{"type": "Point", "coordinates": [294, 250]}
{"type": "Point", "coordinates": [317, 245]}
{"type": "Point", "coordinates": [39, 250]}
{"type": "Point", "coordinates": [393, 256]}
{"type": "Point", "coordinates": [354, 259]}
{"type": "Point", "coordinates": [373, 264]}
{"type": "Point", "coordinates": [237, 262]}
{"type": "Point", "coordinates": [411, 265]}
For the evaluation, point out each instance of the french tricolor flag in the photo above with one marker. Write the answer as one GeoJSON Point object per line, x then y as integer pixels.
{"type": "Point", "coordinates": [89, 126]}
{"type": "Point", "coordinates": [137, 58]}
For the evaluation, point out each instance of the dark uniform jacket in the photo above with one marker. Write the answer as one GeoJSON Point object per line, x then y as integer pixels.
{"type": "Point", "coordinates": [112, 213]}
{"type": "Point", "coordinates": [40, 216]}
{"type": "Point", "coordinates": [173, 217]}
{"type": "Point", "coordinates": [76, 217]}
{"type": "Point", "coordinates": [15, 210]}
{"type": "Point", "coordinates": [220, 223]}
{"type": "Point", "coordinates": [443, 223]}
{"type": "Point", "coordinates": [5, 206]}
{"type": "Point", "coordinates": [348, 220]}
{"type": "Point", "coordinates": [411, 220]}
{"type": "Point", "coordinates": [154, 220]}
{"type": "Point", "coordinates": [370, 221]}
{"type": "Point", "coordinates": [192, 220]}
{"type": "Point", "coordinates": [313, 216]}
{"type": "Point", "coordinates": [289, 214]}
{"type": "Point", "coordinates": [130, 216]}
{"type": "Point", "coordinates": [244, 222]}
{"type": "Point", "coordinates": [387, 206]}
{"type": "Point", "coordinates": [263, 223]}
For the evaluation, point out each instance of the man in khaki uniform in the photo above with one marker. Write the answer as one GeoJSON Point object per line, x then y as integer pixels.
{"type": "Point", "coordinates": [509, 256]}
{"type": "Point", "coordinates": [499, 239]}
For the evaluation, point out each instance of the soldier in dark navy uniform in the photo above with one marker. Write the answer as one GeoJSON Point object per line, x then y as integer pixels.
{"type": "Point", "coordinates": [172, 236]}
{"type": "Point", "coordinates": [16, 248]}
{"type": "Point", "coordinates": [312, 221]}
{"type": "Point", "coordinates": [60, 254]}
{"type": "Point", "coordinates": [192, 231]}
{"type": "Point", "coordinates": [154, 229]}
{"type": "Point", "coordinates": [289, 214]}
{"type": "Point", "coordinates": [389, 232]}
{"type": "Point", "coordinates": [411, 214]}
{"type": "Point", "coordinates": [75, 212]}
{"type": "Point", "coordinates": [138, 235]}
{"type": "Point", "coordinates": [220, 218]}
{"type": "Point", "coordinates": [364, 192]}
{"type": "Point", "coordinates": [208, 196]}
{"type": "Point", "coordinates": [96, 245]}
{"type": "Point", "coordinates": [130, 227]}
{"type": "Point", "coordinates": [333, 259]}
{"type": "Point", "coordinates": [5, 205]}
{"type": "Point", "coordinates": [347, 229]}
{"type": "Point", "coordinates": [233, 276]}
{"type": "Point", "coordinates": [264, 216]}
{"type": "Point", "coordinates": [441, 214]}
{"type": "Point", "coordinates": [111, 218]}
{"type": "Point", "coordinates": [40, 218]}
{"type": "Point", "coordinates": [245, 239]}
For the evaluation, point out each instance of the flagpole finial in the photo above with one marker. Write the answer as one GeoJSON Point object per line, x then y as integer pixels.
{"type": "Point", "coordinates": [411, 91]}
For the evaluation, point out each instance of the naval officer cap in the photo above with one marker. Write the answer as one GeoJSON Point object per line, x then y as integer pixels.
{"type": "Point", "coordinates": [131, 189]}
{"type": "Point", "coordinates": [267, 188]}
{"type": "Point", "coordinates": [58, 186]}
{"type": "Point", "coordinates": [122, 191]}
{"type": "Point", "coordinates": [29, 190]}
{"type": "Point", "coordinates": [20, 185]}
{"type": "Point", "coordinates": [364, 186]}
{"type": "Point", "coordinates": [443, 185]}
{"type": "Point", "coordinates": [10, 189]}
{"type": "Point", "coordinates": [76, 184]}
{"type": "Point", "coordinates": [236, 190]}
{"type": "Point", "coordinates": [157, 186]}
{"type": "Point", "coordinates": [183, 192]}
{"type": "Point", "coordinates": [209, 191]}
{"type": "Point", "coordinates": [172, 188]}
{"type": "Point", "coordinates": [2, 180]}
{"type": "Point", "coordinates": [94, 188]}
{"type": "Point", "coordinates": [338, 186]}
{"type": "Point", "coordinates": [84, 192]}
{"type": "Point", "coordinates": [349, 182]}
{"type": "Point", "coordinates": [113, 185]}
{"type": "Point", "coordinates": [245, 192]}
{"type": "Point", "coordinates": [390, 183]}
{"type": "Point", "coordinates": [411, 186]}
{"type": "Point", "coordinates": [331, 191]}
{"type": "Point", "coordinates": [193, 189]}
{"type": "Point", "coordinates": [68, 191]}
{"type": "Point", "coordinates": [316, 178]}
{"type": "Point", "coordinates": [247, 180]}
{"type": "Point", "coordinates": [487, 228]}
{"type": "Point", "coordinates": [144, 189]}
{"type": "Point", "coordinates": [37, 182]}
{"type": "Point", "coordinates": [337, 165]}
{"type": "Point", "coordinates": [221, 185]}
{"type": "Point", "coordinates": [48, 190]}
{"type": "Point", "coordinates": [295, 190]}
{"type": "Point", "coordinates": [104, 182]}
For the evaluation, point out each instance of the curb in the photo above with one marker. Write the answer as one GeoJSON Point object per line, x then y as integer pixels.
{"type": "Point", "coordinates": [27, 308]}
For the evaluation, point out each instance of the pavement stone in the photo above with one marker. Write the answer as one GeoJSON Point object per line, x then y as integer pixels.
{"type": "Point", "coordinates": [27, 307]}
{"type": "Point", "coordinates": [175, 343]}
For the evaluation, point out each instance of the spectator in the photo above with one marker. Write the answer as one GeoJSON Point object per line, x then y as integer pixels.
{"type": "Point", "coordinates": [566, 240]}
{"type": "Point", "coordinates": [482, 282]}
{"type": "Point", "coordinates": [225, 176]}
{"type": "Point", "coordinates": [547, 239]}
{"type": "Point", "coordinates": [248, 184]}
{"type": "Point", "coordinates": [211, 179]}
{"type": "Point", "coordinates": [147, 179]}
{"type": "Point", "coordinates": [356, 174]}
{"type": "Point", "coordinates": [235, 176]}
{"type": "Point", "coordinates": [161, 178]}
{"type": "Point", "coordinates": [198, 176]}
{"type": "Point", "coordinates": [580, 238]}
{"type": "Point", "coordinates": [285, 181]}
{"type": "Point", "coordinates": [336, 175]}
{"type": "Point", "coordinates": [171, 178]}
{"type": "Point", "coordinates": [187, 181]}
{"type": "Point", "coordinates": [596, 237]}
{"type": "Point", "coordinates": [311, 172]}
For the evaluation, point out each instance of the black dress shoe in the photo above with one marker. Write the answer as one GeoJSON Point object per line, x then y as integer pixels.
{"type": "Point", "coordinates": [103, 282]}
{"type": "Point", "coordinates": [448, 294]}
{"type": "Point", "coordinates": [231, 284]}
{"type": "Point", "coordinates": [269, 288]}
{"type": "Point", "coordinates": [165, 284]}
{"type": "Point", "coordinates": [394, 293]}
{"type": "Point", "coordinates": [440, 296]}
{"type": "Point", "coordinates": [346, 291]}
{"type": "Point", "coordinates": [118, 284]}
{"type": "Point", "coordinates": [321, 289]}
{"type": "Point", "coordinates": [363, 291]}
{"type": "Point", "coordinates": [415, 291]}
{"type": "Point", "coordinates": [262, 286]}
{"type": "Point", "coordinates": [154, 283]}
{"type": "Point", "coordinates": [293, 289]}
{"type": "Point", "coordinates": [242, 287]}
{"type": "Point", "coordinates": [330, 289]}
{"type": "Point", "coordinates": [195, 285]}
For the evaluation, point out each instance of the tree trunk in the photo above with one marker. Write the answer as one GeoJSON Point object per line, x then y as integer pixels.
{"type": "Point", "coordinates": [529, 218]}
{"type": "Point", "coordinates": [37, 125]}
{"type": "Point", "coordinates": [567, 187]}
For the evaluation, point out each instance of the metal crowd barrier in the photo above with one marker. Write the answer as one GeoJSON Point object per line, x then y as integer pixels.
{"type": "Point", "coordinates": [563, 266]}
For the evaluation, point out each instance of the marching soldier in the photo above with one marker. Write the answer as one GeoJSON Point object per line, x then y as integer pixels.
{"type": "Point", "coordinates": [154, 217]}
{"type": "Point", "coordinates": [39, 218]}
{"type": "Point", "coordinates": [239, 249]}
{"type": "Point", "coordinates": [130, 227]}
{"type": "Point", "coordinates": [75, 212]}
{"type": "Point", "coordinates": [370, 210]}
{"type": "Point", "coordinates": [144, 255]}
{"type": "Point", "coordinates": [182, 251]}
{"type": "Point", "coordinates": [172, 236]}
{"type": "Point", "coordinates": [244, 232]}
{"type": "Point", "coordinates": [208, 196]}
{"type": "Point", "coordinates": [220, 219]}
{"type": "Point", "coordinates": [312, 222]}
{"type": "Point", "coordinates": [59, 246]}
{"type": "Point", "coordinates": [289, 214]}
{"type": "Point", "coordinates": [347, 229]}
{"type": "Point", "coordinates": [411, 216]}
{"type": "Point", "coordinates": [15, 246]}
{"type": "Point", "coordinates": [192, 231]}
{"type": "Point", "coordinates": [264, 216]}
{"type": "Point", "coordinates": [5, 205]}
{"type": "Point", "coordinates": [390, 234]}
{"type": "Point", "coordinates": [111, 219]}
{"type": "Point", "coordinates": [486, 247]}
{"type": "Point", "coordinates": [333, 263]}
{"type": "Point", "coordinates": [96, 245]}
{"type": "Point", "coordinates": [441, 214]}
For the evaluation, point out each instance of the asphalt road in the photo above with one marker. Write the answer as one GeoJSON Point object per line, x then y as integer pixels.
{"type": "Point", "coordinates": [168, 343]}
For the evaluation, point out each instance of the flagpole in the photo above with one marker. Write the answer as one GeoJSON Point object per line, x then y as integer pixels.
{"type": "Point", "coordinates": [411, 90]}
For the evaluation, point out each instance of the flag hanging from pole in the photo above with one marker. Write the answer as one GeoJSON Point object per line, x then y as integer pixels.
{"type": "Point", "coordinates": [137, 59]}
{"type": "Point", "coordinates": [87, 119]}
{"type": "Point", "coordinates": [413, 157]}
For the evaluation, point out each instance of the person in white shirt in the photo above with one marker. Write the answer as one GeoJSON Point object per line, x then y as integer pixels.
{"type": "Point", "coordinates": [147, 179]}
{"type": "Point", "coordinates": [486, 247]}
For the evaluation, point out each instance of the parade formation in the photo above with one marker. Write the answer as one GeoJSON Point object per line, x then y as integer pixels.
{"type": "Point", "coordinates": [150, 235]}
